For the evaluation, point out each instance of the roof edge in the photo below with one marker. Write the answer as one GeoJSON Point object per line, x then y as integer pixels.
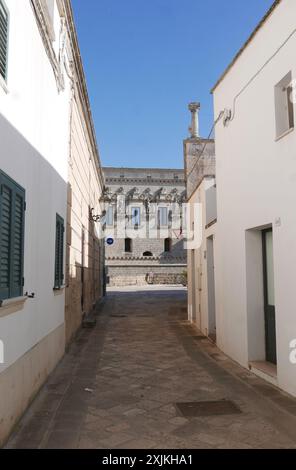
{"type": "Point", "coordinates": [140, 169]}
{"type": "Point", "coordinates": [248, 41]}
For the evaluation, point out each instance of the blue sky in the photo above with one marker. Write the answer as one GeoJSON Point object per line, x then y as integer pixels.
{"type": "Point", "coordinates": [146, 60]}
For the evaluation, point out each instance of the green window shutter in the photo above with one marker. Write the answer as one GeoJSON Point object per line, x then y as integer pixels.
{"type": "Point", "coordinates": [12, 219]}
{"type": "Point", "coordinates": [17, 245]}
{"type": "Point", "coordinates": [59, 253]}
{"type": "Point", "coordinates": [5, 228]}
{"type": "Point", "coordinates": [3, 40]}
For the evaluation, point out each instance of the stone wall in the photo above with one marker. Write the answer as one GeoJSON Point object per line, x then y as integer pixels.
{"type": "Point", "coordinates": [140, 246]}
{"type": "Point", "coordinates": [200, 162]}
{"type": "Point", "coordinates": [138, 275]}
{"type": "Point", "coordinates": [85, 248]}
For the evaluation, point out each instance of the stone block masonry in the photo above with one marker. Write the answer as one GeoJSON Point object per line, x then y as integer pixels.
{"type": "Point", "coordinates": [146, 189]}
{"type": "Point", "coordinates": [143, 275]}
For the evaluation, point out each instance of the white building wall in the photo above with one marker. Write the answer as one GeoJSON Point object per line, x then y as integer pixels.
{"type": "Point", "coordinates": [197, 275]}
{"type": "Point", "coordinates": [34, 136]}
{"type": "Point", "coordinates": [32, 104]}
{"type": "Point", "coordinates": [256, 177]}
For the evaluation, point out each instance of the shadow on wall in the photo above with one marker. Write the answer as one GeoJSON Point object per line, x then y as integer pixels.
{"type": "Point", "coordinates": [33, 336]}
{"type": "Point", "coordinates": [177, 253]}
{"type": "Point", "coordinates": [177, 273]}
{"type": "Point", "coordinates": [84, 268]}
{"type": "Point", "coordinates": [45, 196]}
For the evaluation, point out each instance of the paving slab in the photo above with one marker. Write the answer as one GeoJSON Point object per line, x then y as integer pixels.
{"type": "Point", "coordinates": [119, 384]}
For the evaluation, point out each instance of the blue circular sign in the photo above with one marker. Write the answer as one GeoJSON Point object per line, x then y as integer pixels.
{"type": "Point", "coordinates": [110, 241]}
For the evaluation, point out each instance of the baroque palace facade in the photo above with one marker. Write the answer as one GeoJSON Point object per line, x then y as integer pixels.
{"type": "Point", "coordinates": [144, 226]}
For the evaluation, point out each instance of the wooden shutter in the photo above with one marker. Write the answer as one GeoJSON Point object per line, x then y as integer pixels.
{"type": "Point", "coordinates": [59, 253]}
{"type": "Point", "coordinates": [3, 40]}
{"type": "Point", "coordinates": [5, 227]}
{"type": "Point", "coordinates": [12, 218]}
{"type": "Point", "coordinates": [17, 245]}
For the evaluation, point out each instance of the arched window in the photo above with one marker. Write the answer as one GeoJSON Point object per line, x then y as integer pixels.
{"type": "Point", "coordinates": [147, 254]}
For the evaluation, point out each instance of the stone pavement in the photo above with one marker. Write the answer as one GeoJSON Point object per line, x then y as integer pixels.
{"type": "Point", "coordinates": [118, 385]}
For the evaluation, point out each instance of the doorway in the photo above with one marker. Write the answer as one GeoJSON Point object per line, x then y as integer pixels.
{"type": "Point", "coordinates": [193, 289]}
{"type": "Point", "coordinates": [211, 289]}
{"type": "Point", "coordinates": [269, 298]}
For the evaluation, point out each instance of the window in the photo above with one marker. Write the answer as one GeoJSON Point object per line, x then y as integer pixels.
{"type": "Point", "coordinates": [59, 253]}
{"type": "Point", "coordinates": [162, 216]}
{"type": "Point", "coordinates": [128, 245]}
{"type": "Point", "coordinates": [147, 254]}
{"type": "Point", "coordinates": [109, 216]}
{"type": "Point", "coordinates": [284, 107]}
{"type": "Point", "coordinates": [12, 221]}
{"type": "Point", "coordinates": [136, 216]}
{"type": "Point", "coordinates": [167, 245]}
{"type": "Point", "coordinates": [3, 40]}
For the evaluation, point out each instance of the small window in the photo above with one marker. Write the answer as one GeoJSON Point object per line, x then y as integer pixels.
{"type": "Point", "coordinates": [136, 216]}
{"type": "Point", "coordinates": [147, 254]}
{"type": "Point", "coordinates": [4, 23]}
{"type": "Point", "coordinates": [109, 216]}
{"type": "Point", "coordinates": [162, 216]}
{"type": "Point", "coordinates": [167, 245]}
{"type": "Point", "coordinates": [128, 245]}
{"type": "Point", "coordinates": [59, 253]}
{"type": "Point", "coordinates": [284, 107]}
{"type": "Point", "coordinates": [12, 221]}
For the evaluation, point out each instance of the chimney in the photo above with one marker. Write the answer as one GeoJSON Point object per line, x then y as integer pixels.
{"type": "Point", "coordinates": [194, 128]}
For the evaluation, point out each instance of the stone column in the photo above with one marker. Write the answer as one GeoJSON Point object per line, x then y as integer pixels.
{"type": "Point", "coordinates": [194, 129]}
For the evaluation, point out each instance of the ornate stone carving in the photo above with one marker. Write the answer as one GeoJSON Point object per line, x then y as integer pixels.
{"type": "Point", "coordinates": [46, 31]}
{"type": "Point", "coordinates": [132, 193]}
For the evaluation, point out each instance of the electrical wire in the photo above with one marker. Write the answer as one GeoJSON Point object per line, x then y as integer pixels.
{"type": "Point", "coordinates": [206, 143]}
{"type": "Point", "coordinates": [258, 73]}
{"type": "Point", "coordinates": [233, 112]}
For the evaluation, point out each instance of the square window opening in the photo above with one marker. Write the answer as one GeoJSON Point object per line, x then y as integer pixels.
{"type": "Point", "coordinates": [284, 106]}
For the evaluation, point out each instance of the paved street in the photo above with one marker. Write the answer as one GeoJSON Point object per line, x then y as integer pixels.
{"type": "Point", "coordinates": [119, 384]}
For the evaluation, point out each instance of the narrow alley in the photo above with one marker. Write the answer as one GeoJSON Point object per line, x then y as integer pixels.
{"type": "Point", "coordinates": [120, 384]}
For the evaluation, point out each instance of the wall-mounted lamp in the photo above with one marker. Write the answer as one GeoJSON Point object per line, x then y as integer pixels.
{"type": "Point", "coordinates": [227, 116]}
{"type": "Point", "coordinates": [94, 217]}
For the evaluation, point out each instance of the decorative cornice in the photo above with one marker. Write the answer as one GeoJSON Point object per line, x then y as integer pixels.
{"type": "Point", "coordinates": [80, 81]}
{"type": "Point", "coordinates": [46, 32]}
{"type": "Point", "coordinates": [143, 181]}
{"type": "Point", "coordinates": [147, 196]}
{"type": "Point", "coordinates": [147, 258]}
